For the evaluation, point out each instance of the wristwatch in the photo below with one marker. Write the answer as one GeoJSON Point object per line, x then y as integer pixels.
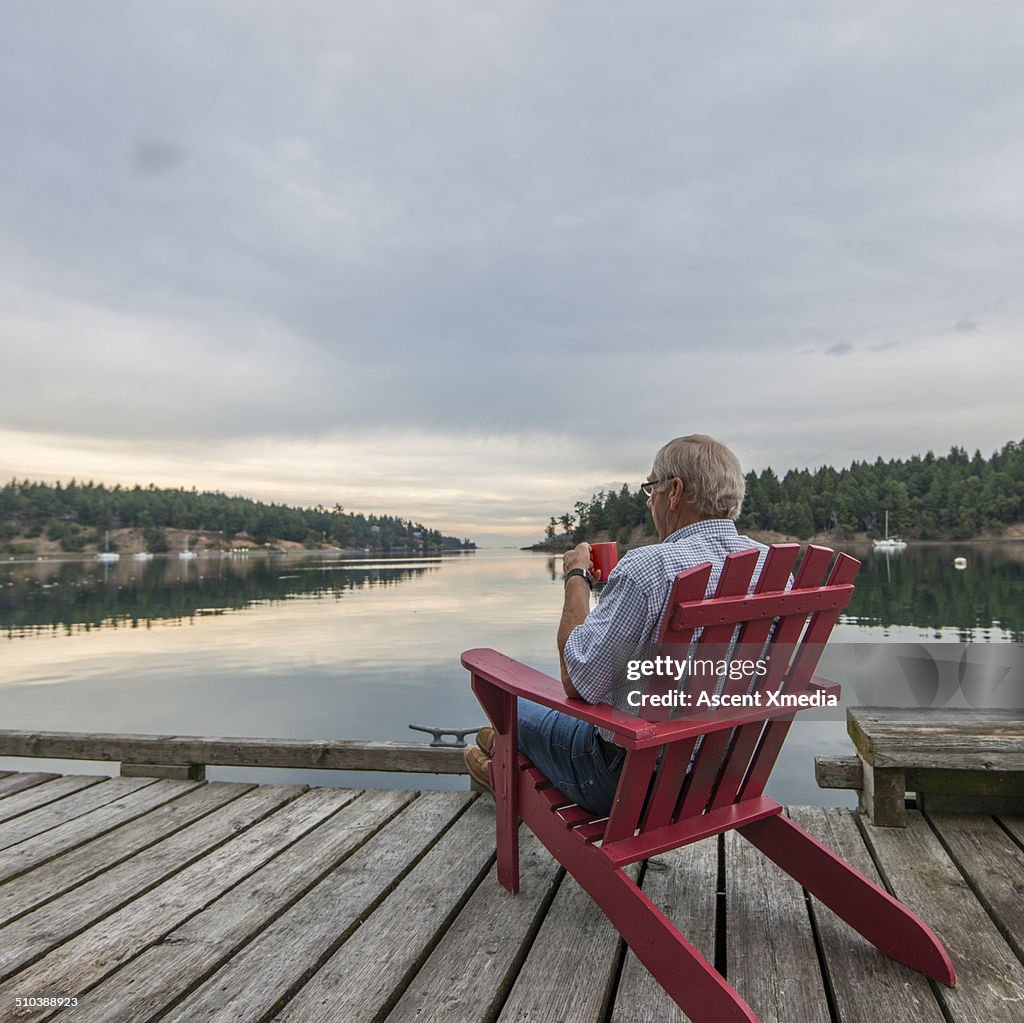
{"type": "Point", "coordinates": [579, 571]}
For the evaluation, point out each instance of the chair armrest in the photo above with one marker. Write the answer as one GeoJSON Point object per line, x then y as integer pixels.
{"type": "Point", "coordinates": [521, 680]}
{"type": "Point", "coordinates": [824, 685]}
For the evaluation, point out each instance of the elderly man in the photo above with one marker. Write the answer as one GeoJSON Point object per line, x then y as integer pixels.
{"type": "Point", "coordinates": [694, 492]}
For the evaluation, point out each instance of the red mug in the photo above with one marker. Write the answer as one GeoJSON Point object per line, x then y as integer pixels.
{"type": "Point", "coordinates": [604, 557]}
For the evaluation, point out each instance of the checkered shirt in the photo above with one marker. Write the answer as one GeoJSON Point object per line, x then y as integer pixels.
{"type": "Point", "coordinates": [626, 622]}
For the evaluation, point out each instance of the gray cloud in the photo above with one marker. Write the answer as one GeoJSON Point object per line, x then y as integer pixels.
{"type": "Point", "coordinates": [237, 220]}
{"type": "Point", "coordinates": [840, 348]}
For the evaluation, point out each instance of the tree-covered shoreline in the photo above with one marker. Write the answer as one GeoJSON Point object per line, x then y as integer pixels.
{"type": "Point", "coordinates": [950, 497]}
{"type": "Point", "coordinates": [75, 517]}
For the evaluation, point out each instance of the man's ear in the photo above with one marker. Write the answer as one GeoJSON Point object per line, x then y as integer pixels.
{"type": "Point", "coordinates": [675, 497]}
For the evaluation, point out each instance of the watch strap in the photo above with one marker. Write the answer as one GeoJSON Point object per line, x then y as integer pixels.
{"type": "Point", "coordinates": [581, 572]}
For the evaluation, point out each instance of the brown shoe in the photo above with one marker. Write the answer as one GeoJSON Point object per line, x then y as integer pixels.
{"type": "Point", "coordinates": [478, 766]}
{"type": "Point", "coordinates": [485, 740]}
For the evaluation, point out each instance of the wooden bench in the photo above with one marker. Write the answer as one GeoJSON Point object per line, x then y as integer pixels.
{"type": "Point", "coordinates": [954, 759]}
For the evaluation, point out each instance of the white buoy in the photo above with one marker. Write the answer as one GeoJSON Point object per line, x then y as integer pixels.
{"type": "Point", "coordinates": [959, 562]}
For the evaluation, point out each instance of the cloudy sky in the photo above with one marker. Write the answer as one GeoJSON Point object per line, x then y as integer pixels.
{"type": "Point", "coordinates": [470, 262]}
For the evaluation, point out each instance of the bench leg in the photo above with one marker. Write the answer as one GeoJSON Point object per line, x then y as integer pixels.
{"type": "Point", "coordinates": [883, 795]}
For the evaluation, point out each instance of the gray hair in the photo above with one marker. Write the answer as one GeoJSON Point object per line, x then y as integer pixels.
{"type": "Point", "coordinates": [711, 472]}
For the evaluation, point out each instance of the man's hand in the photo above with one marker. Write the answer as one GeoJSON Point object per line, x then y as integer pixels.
{"type": "Point", "coordinates": [578, 557]}
{"type": "Point", "coordinates": [575, 607]}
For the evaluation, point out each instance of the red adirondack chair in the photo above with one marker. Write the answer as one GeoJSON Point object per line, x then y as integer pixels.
{"type": "Point", "coordinates": [699, 774]}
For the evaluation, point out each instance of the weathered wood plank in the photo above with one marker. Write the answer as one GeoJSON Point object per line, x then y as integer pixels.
{"type": "Point", "coordinates": [251, 983]}
{"type": "Point", "coordinates": [838, 772]}
{"type": "Point", "coordinates": [469, 972]}
{"type": "Point", "coordinates": [1014, 824]}
{"type": "Point", "coordinates": [938, 737]}
{"type": "Point", "coordinates": [357, 983]}
{"type": "Point", "coordinates": [683, 884]}
{"type": "Point", "coordinates": [990, 978]}
{"type": "Point", "coordinates": [771, 957]}
{"type": "Point", "coordinates": [190, 858]}
{"type": "Point", "coordinates": [48, 792]}
{"type": "Point", "coordinates": [867, 986]}
{"type": "Point", "coordinates": [883, 796]}
{"type": "Point", "coordinates": [11, 783]}
{"type": "Point", "coordinates": [86, 959]}
{"type": "Point", "coordinates": [571, 966]}
{"type": "Point", "coordinates": [300, 940]}
{"type": "Point", "coordinates": [993, 865]}
{"type": "Point", "coordinates": [956, 791]}
{"type": "Point", "coordinates": [231, 751]}
{"type": "Point", "coordinates": [81, 829]}
{"type": "Point", "coordinates": [41, 881]}
{"type": "Point", "coordinates": [52, 815]}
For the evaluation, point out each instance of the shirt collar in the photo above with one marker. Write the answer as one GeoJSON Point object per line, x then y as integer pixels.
{"type": "Point", "coordinates": [704, 527]}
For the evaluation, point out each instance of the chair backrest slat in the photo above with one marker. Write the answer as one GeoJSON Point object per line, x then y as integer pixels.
{"type": "Point", "coordinates": [806, 660]}
{"type": "Point", "coordinates": [747, 643]}
{"type": "Point", "coordinates": [631, 794]}
{"type": "Point", "coordinates": [749, 649]}
{"type": "Point", "coordinates": [689, 586]}
{"type": "Point", "coordinates": [712, 647]}
{"type": "Point", "coordinates": [785, 636]}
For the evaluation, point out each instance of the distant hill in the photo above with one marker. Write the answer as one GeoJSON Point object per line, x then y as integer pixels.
{"type": "Point", "coordinates": [40, 518]}
{"type": "Point", "coordinates": [950, 497]}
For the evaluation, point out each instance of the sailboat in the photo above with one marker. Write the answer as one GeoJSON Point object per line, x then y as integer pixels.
{"type": "Point", "coordinates": [107, 554]}
{"type": "Point", "coordinates": [890, 543]}
{"type": "Point", "coordinates": [186, 554]}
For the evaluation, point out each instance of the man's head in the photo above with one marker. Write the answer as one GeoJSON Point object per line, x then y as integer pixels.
{"type": "Point", "coordinates": [695, 478]}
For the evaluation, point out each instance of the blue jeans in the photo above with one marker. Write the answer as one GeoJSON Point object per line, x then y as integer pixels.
{"type": "Point", "coordinates": [570, 753]}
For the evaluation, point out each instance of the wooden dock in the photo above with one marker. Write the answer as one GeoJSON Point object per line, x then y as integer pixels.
{"type": "Point", "coordinates": [181, 901]}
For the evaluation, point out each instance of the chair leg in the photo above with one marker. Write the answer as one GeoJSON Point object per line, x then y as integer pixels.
{"type": "Point", "coordinates": [504, 778]}
{"type": "Point", "coordinates": [692, 982]}
{"type": "Point", "coordinates": [866, 907]}
{"type": "Point", "coordinates": [500, 707]}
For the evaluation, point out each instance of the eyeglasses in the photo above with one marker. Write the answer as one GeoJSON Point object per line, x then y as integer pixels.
{"type": "Point", "coordinates": [648, 485]}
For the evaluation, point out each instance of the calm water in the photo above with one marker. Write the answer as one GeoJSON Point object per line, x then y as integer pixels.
{"type": "Point", "coordinates": [324, 647]}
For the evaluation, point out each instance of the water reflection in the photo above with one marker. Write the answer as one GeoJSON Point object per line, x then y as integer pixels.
{"type": "Point", "coordinates": [923, 587]}
{"type": "Point", "coordinates": [328, 648]}
{"type": "Point", "coordinates": [69, 596]}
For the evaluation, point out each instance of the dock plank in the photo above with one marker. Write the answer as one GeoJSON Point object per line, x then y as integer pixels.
{"type": "Point", "coordinates": [102, 924]}
{"type": "Point", "coordinates": [990, 978]}
{"type": "Point", "coordinates": [554, 982]}
{"type": "Point", "coordinates": [273, 904]}
{"type": "Point", "coordinates": [683, 884]}
{"type": "Point", "coordinates": [11, 783]}
{"type": "Point", "coordinates": [357, 983]}
{"type": "Point", "coordinates": [92, 824]}
{"type": "Point", "coordinates": [42, 881]}
{"type": "Point", "coordinates": [867, 986]}
{"type": "Point", "coordinates": [771, 958]}
{"type": "Point", "coordinates": [993, 865]}
{"type": "Point", "coordinates": [1014, 825]}
{"type": "Point", "coordinates": [52, 815]}
{"type": "Point", "coordinates": [469, 972]}
{"type": "Point", "coordinates": [39, 795]}
{"type": "Point", "coordinates": [150, 985]}
{"type": "Point", "coordinates": [256, 982]}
